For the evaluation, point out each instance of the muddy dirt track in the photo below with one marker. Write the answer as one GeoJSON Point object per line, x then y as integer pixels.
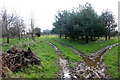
{"type": "Point", "coordinates": [65, 74]}
{"type": "Point", "coordinates": [96, 57]}
{"type": "Point", "coordinates": [91, 66]}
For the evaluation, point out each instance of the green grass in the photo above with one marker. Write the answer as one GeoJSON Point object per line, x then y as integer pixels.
{"type": "Point", "coordinates": [111, 60]}
{"type": "Point", "coordinates": [50, 58]}
{"type": "Point", "coordinates": [13, 43]}
{"type": "Point", "coordinates": [45, 52]}
{"type": "Point", "coordinates": [67, 53]}
{"type": "Point", "coordinates": [91, 47]}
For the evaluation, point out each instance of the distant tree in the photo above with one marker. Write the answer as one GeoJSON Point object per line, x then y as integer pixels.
{"type": "Point", "coordinates": [108, 22]}
{"type": "Point", "coordinates": [114, 33]}
{"type": "Point", "coordinates": [19, 26]}
{"type": "Point", "coordinates": [1, 31]}
{"type": "Point", "coordinates": [32, 28]}
{"type": "Point", "coordinates": [47, 31]}
{"type": "Point", "coordinates": [82, 22]}
{"type": "Point", "coordinates": [59, 23]}
{"type": "Point", "coordinates": [75, 23]}
{"type": "Point", "coordinates": [53, 31]}
{"type": "Point", "coordinates": [6, 21]}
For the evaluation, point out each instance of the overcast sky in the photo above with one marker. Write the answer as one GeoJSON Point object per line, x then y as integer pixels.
{"type": "Point", "coordinates": [44, 11]}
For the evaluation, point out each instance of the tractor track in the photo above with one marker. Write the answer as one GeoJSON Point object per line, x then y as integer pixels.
{"type": "Point", "coordinates": [66, 73]}
{"type": "Point", "coordinates": [105, 49]}
{"type": "Point", "coordinates": [91, 66]}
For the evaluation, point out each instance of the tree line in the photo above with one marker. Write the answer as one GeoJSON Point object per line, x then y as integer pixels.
{"type": "Point", "coordinates": [83, 22]}
{"type": "Point", "coordinates": [12, 25]}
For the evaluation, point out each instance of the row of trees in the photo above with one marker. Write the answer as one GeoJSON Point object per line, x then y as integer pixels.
{"type": "Point", "coordinates": [84, 22]}
{"type": "Point", "coordinates": [12, 25]}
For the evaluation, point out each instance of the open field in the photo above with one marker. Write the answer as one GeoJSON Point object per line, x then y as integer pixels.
{"type": "Point", "coordinates": [50, 66]}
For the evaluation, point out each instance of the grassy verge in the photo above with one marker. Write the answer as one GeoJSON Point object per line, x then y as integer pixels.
{"type": "Point", "coordinates": [111, 60]}
{"type": "Point", "coordinates": [49, 68]}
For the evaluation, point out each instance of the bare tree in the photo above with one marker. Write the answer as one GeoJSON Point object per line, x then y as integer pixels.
{"type": "Point", "coordinates": [32, 28]}
{"type": "Point", "coordinates": [0, 29]}
{"type": "Point", "coordinates": [7, 20]}
{"type": "Point", "coordinates": [19, 27]}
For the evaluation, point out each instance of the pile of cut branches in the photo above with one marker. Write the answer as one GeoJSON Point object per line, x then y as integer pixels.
{"type": "Point", "coordinates": [15, 58]}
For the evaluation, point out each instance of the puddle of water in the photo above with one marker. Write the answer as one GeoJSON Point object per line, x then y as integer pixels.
{"type": "Point", "coordinates": [63, 63]}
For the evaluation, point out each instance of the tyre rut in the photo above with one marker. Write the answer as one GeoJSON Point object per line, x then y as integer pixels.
{"type": "Point", "coordinates": [64, 64]}
{"type": "Point", "coordinates": [91, 66]}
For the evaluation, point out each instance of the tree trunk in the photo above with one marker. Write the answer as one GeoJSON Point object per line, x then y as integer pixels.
{"type": "Point", "coordinates": [86, 39]}
{"type": "Point", "coordinates": [78, 38]}
{"type": "Point", "coordinates": [98, 37]}
{"type": "Point", "coordinates": [7, 39]}
{"type": "Point", "coordinates": [82, 37]}
{"type": "Point", "coordinates": [73, 38]}
{"type": "Point", "coordinates": [19, 36]}
{"type": "Point", "coordinates": [105, 37]}
{"type": "Point", "coordinates": [94, 37]}
{"type": "Point", "coordinates": [91, 38]}
{"type": "Point", "coordinates": [65, 37]}
{"type": "Point", "coordinates": [60, 36]}
{"type": "Point", "coordinates": [109, 37]}
{"type": "Point", "coordinates": [109, 34]}
{"type": "Point", "coordinates": [32, 36]}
